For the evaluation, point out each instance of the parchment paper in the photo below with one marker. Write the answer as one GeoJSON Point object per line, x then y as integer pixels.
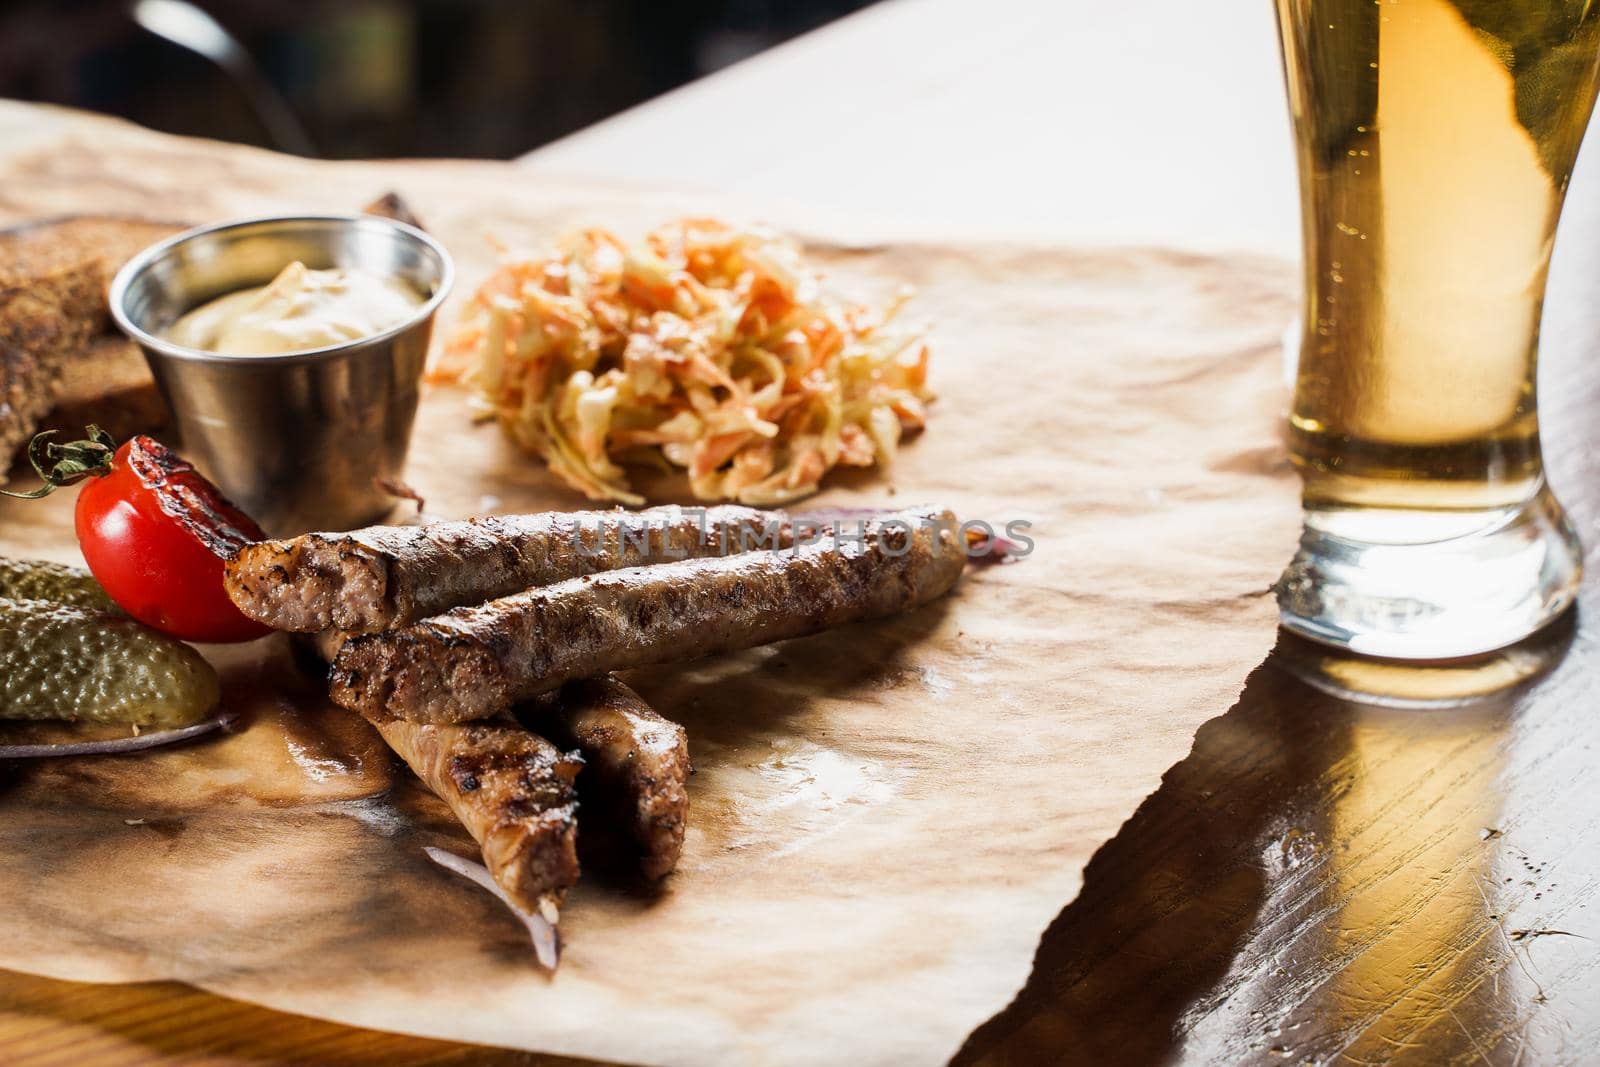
{"type": "Point", "coordinates": [884, 819]}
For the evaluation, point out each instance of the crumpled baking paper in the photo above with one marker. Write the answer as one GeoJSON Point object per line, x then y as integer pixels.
{"type": "Point", "coordinates": [884, 818]}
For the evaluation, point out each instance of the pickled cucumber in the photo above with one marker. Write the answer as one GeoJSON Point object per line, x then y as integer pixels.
{"type": "Point", "coordinates": [82, 664]}
{"type": "Point", "coordinates": [33, 579]}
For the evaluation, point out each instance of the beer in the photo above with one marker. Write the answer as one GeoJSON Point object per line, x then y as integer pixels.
{"type": "Point", "coordinates": [1435, 142]}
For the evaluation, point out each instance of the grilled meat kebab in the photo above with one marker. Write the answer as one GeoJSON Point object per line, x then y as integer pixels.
{"type": "Point", "coordinates": [512, 790]}
{"type": "Point", "coordinates": [636, 763]}
{"type": "Point", "coordinates": [474, 662]}
{"type": "Point", "coordinates": [388, 576]}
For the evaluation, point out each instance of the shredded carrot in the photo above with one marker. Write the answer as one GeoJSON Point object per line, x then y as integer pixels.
{"type": "Point", "coordinates": [711, 345]}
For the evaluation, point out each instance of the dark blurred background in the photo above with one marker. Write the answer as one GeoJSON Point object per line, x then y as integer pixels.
{"type": "Point", "coordinates": [350, 78]}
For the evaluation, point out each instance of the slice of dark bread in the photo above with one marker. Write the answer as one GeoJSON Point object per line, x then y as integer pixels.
{"type": "Point", "coordinates": [109, 385]}
{"type": "Point", "coordinates": [50, 303]}
{"type": "Point", "coordinates": [53, 280]}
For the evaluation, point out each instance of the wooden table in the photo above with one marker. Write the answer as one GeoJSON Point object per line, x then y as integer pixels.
{"type": "Point", "coordinates": [1318, 881]}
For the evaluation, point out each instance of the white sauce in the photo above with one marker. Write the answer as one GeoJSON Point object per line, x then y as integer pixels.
{"type": "Point", "coordinates": [300, 309]}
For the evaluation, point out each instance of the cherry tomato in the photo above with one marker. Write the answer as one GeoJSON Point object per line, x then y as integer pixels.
{"type": "Point", "coordinates": [155, 533]}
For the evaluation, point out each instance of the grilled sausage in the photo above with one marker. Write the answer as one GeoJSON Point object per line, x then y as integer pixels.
{"type": "Point", "coordinates": [476, 662]}
{"type": "Point", "coordinates": [635, 763]}
{"type": "Point", "coordinates": [386, 576]}
{"type": "Point", "coordinates": [512, 790]}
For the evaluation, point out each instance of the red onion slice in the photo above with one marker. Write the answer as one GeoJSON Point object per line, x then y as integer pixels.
{"type": "Point", "coordinates": [117, 746]}
{"type": "Point", "coordinates": [546, 939]}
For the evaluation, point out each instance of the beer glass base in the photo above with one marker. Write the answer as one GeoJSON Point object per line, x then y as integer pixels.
{"type": "Point", "coordinates": [1425, 685]}
{"type": "Point", "coordinates": [1419, 585]}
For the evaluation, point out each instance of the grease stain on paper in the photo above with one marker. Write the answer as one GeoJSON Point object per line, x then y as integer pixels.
{"type": "Point", "coordinates": [804, 792]}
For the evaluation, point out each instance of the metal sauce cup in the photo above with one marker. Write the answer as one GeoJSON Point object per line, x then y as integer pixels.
{"type": "Point", "coordinates": [297, 440]}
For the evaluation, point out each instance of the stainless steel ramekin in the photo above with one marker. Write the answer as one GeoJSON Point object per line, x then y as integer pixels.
{"type": "Point", "coordinates": [297, 440]}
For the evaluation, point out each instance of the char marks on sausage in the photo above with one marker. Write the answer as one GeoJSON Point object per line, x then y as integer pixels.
{"type": "Point", "coordinates": [475, 662]}
{"type": "Point", "coordinates": [636, 763]}
{"type": "Point", "coordinates": [511, 789]}
{"type": "Point", "coordinates": [388, 576]}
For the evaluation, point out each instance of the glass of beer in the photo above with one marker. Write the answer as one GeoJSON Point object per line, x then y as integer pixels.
{"type": "Point", "coordinates": [1435, 141]}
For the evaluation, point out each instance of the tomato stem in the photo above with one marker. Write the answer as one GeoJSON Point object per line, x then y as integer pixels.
{"type": "Point", "coordinates": [61, 465]}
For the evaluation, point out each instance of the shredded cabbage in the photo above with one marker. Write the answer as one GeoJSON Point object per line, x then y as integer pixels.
{"type": "Point", "coordinates": [710, 347]}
